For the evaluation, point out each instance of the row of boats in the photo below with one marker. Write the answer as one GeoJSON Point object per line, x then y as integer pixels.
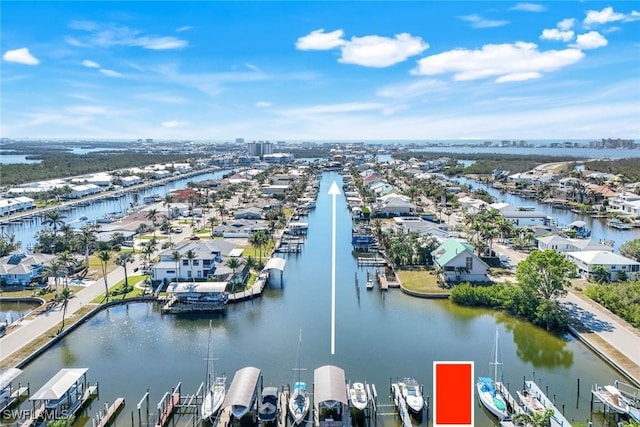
{"type": "Point", "coordinates": [493, 395]}
{"type": "Point", "coordinates": [359, 394]}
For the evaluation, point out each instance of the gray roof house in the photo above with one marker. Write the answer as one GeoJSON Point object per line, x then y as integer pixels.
{"type": "Point", "coordinates": [248, 213]}
{"type": "Point", "coordinates": [20, 268]}
{"type": "Point", "coordinates": [565, 244]}
{"type": "Point", "coordinates": [394, 205]}
{"type": "Point", "coordinates": [617, 265]}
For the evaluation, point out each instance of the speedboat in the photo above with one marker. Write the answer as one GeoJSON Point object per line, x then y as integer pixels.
{"type": "Point", "coordinates": [612, 398]}
{"type": "Point", "coordinates": [369, 284]}
{"type": "Point", "coordinates": [269, 405]}
{"type": "Point", "coordinates": [410, 390]}
{"type": "Point", "coordinates": [358, 396]}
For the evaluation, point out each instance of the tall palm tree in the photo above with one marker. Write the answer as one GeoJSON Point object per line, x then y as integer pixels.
{"type": "Point", "coordinates": [212, 223]}
{"type": "Point", "coordinates": [152, 215]}
{"type": "Point", "coordinates": [104, 257]}
{"type": "Point", "coordinates": [53, 219]}
{"type": "Point", "coordinates": [8, 243]}
{"type": "Point", "coordinates": [191, 255]}
{"type": "Point", "coordinates": [176, 257]}
{"type": "Point", "coordinates": [86, 239]}
{"type": "Point", "coordinates": [166, 201]}
{"type": "Point", "coordinates": [67, 260]}
{"type": "Point", "coordinates": [122, 260]}
{"type": "Point", "coordinates": [233, 263]}
{"type": "Point", "coordinates": [64, 298]}
{"type": "Point", "coordinates": [54, 269]}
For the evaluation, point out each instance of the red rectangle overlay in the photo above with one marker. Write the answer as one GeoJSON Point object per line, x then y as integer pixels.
{"type": "Point", "coordinates": [453, 393]}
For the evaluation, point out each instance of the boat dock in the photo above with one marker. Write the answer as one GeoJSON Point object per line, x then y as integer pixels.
{"type": "Point", "coordinates": [376, 262]}
{"type": "Point", "coordinates": [169, 402]}
{"type": "Point", "coordinates": [105, 418]}
{"type": "Point", "coordinates": [558, 419]}
{"type": "Point", "coordinates": [508, 397]}
{"type": "Point", "coordinates": [401, 405]}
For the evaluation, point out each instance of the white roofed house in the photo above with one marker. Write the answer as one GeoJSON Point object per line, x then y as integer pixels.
{"type": "Point", "coordinates": [520, 217]}
{"type": "Point", "coordinates": [197, 260]}
{"type": "Point", "coordinates": [565, 244]}
{"type": "Point", "coordinates": [393, 205]}
{"type": "Point", "coordinates": [618, 267]}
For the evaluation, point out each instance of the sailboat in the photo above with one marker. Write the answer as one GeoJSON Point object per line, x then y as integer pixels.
{"type": "Point", "coordinates": [488, 394]}
{"type": "Point", "coordinates": [299, 401]}
{"type": "Point", "coordinates": [215, 386]}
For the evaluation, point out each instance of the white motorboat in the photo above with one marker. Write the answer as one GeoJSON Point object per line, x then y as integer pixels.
{"type": "Point", "coordinates": [369, 284]}
{"type": "Point", "coordinates": [612, 398]}
{"type": "Point", "coordinates": [412, 395]}
{"type": "Point", "coordinates": [488, 394]}
{"type": "Point", "coordinates": [215, 386]}
{"type": "Point", "coordinates": [358, 396]}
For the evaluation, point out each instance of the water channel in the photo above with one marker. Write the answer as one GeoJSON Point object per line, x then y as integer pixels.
{"type": "Point", "coordinates": [25, 231]}
{"type": "Point", "coordinates": [379, 336]}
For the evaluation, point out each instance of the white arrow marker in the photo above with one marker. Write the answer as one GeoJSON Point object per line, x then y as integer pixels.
{"type": "Point", "coordinates": [333, 191]}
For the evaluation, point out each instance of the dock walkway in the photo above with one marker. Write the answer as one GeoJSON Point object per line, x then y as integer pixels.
{"type": "Point", "coordinates": [557, 420]}
{"type": "Point", "coordinates": [105, 418]}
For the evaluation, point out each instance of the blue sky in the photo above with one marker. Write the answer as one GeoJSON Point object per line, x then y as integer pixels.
{"type": "Point", "coordinates": [320, 70]}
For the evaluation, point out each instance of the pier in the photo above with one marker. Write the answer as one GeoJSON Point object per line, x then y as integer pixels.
{"type": "Point", "coordinates": [105, 418]}
{"type": "Point", "coordinates": [558, 419]}
{"type": "Point", "coordinates": [169, 402]}
{"type": "Point", "coordinates": [508, 397]}
{"type": "Point", "coordinates": [376, 262]}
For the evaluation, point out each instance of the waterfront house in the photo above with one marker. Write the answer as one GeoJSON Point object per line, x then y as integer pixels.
{"type": "Point", "coordinates": [393, 205]}
{"type": "Point", "coordinates": [458, 262]}
{"type": "Point", "coordinates": [20, 268]}
{"type": "Point", "coordinates": [565, 244]}
{"type": "Point", "coordinates": [623, 202]}
{"type": "Point", "coordinates": [239, 228]}
{"type": "Point", "coordinates": [206, 258]}
{"type": "Point", "coordinates": [16, 204]}
{"type": "Point", "coordinates": [616, 265]}
{"type": "Point", "coordinates": [521, 217]}
{"type": "Point", "coordinates": [248, 213]}
{"type": "Point", "coordinates": [80, 191]}
{"type": "Point", "coordinates": [267, 189]}
{"type": "Point", "coordinates": [423, 228]}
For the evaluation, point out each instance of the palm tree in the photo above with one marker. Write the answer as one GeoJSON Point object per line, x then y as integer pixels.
{"type": "Point", "coordinates": [537, 419]}
{"type": "Point", "coordinates": [176, 257]}
{"type": "Point", "coordinates": [86, 239]}
{"type": "Point", "coordinates": [67, 260]}
{"type": "Point", "coordinates": [191, 255]}
{"type": "Point", "coordinates": [54, 269]}
{"type": "Point", "coordinates": [64, 298]}
{"type": "Point", "coordinates": [122, 260]}
{"type": "Point", "coordinates": [53, 219]}
{"type": "Point", "coordinates": [8, 243]}
{"type": "Point", "coordinates": [104, 257]}
{"type": "Point", "coordinates": [233, 263]}
{"type": "Point", "coordinates": [212, 223]}
{"type": "Point", "coordinates": [152, 215]}
{"type": "Point", "coordinates": [168, 199]}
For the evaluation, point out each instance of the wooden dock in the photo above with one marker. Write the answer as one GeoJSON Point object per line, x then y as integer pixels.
{"type": "Point", "coordinates": [372, 261]}
{"type": "Point", "coordinates": [166, 407]}
{"type": "Point", "coordinates": [511, 401]}
{"type": "Point", "coordinates": [382, 280]}
{"type": "Point", "coordinates": [283, 397]}
{"type": "Point", "coordinates": [104, 419]}
{"type": "Point", "coordinates": [557, 420]}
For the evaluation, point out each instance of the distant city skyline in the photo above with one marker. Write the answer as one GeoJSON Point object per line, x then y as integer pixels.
{"type": "Point", "coordinates": [320, 70]}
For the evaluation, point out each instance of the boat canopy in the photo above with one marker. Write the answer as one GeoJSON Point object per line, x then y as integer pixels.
{"type": "Point", "coordinates": [242, 388]}
{"type": "Point", "coordinates": [276, 263]}
{"type": "Point", "coordinates": [329, 384]}
{"type": "Point", "coordinates": [57, 386]}
{"type": "Point", "coordinates": [8, 375]}
{"type": "Point", "coordinates": [578, 224]}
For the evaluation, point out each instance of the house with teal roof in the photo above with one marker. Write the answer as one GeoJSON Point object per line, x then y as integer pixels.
{"type": "Point", "coordinates": [458, 263]}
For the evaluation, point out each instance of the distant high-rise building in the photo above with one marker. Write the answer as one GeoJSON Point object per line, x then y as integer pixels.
{"type": "Point", "coordinates": [260, 148]}
{"type": "Point", "coordinates": [239, 140]}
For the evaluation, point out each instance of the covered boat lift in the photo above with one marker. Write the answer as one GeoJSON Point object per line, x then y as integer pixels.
{"type": "Point", "coordinates": [275, 263]}
{"type": "Point", "coordinates": [241, 395]}
{"type": "Point", "coordinates": [7, 395]}
{"type": "Point", "coordinates": [330, 400]}
{"type": "Point", "coordinates": [64, 391]}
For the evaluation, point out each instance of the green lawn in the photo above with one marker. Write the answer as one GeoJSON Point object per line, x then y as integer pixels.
{"type": "Point", "coordinates": [419, 280]}
{"type": "Point", "coordinates": [133, 281]}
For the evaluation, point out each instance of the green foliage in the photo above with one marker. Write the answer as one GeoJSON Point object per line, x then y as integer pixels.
{"type": "Point", "coordinates": [497, 296]}
{"type": "Point", "coordinates": [63, 164]}
{"type": "Point", "coordinates": [629, 168]}
{"type": "Point", "coordinates": [631, 249]}
{"type": "Point", "coordinates": [623, 299]}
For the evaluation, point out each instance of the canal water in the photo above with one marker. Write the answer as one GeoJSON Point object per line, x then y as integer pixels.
{"type": "Point", "coordinates": [25, 231]}
{"type": "Point", "coordinates": [131, 348]}
{"type": "Point", "coordinates": [13, 311]}
{"type": "Point", "coordinates": [599, 228]}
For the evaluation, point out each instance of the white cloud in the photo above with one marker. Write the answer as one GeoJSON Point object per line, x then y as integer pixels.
{"type": "Point", "coordinates": [110, 73]}
{"type": "Point", "coordinates": [590, 40]}
{"type": "Point", "coordinates": [377, 51]}
{"type": "Point", "coordinates": [566, 24]}
{"type": "Point", "coordinates": [529, 7]}
{"type": "Point", "coordinates": [184, 28]}
{"type": "Point", "coordinates": [263, 104]}
{"type": "Point", "coordinates": [90, 64]}
{"type": "Point", "coordinates": [173, 124]}
{"type": "Point", "coordinates": [506, 62]}
{"type": "Point", "coordinates": [604, 16]}
{"type": "Point", "coordinates": [478, 21]}
{"type": "Point", "coordinates": [20, 56]}
{"type": "Point", "coordinates": [555, 34]}
{"type": "Point", "coordinates": [414, 88]}
{"type": "Point", "coordinates": [347, 107]}
{"type": "Point", "coordinates": [107, 35]}
{"type": "Point", "coordinates": [319, 40]}
{"type": "Point", "coordinates": [161, 97]}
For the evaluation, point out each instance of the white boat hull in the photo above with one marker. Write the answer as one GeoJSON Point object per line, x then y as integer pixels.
{"type": "Point", "coordinates": [488, 400]}
{"type": "Point", "coordinates": [358, 396]}
{"type": "Point", "coordinates": [298, 407]}
{"type": "Point", "coordinates": [212, 402]}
